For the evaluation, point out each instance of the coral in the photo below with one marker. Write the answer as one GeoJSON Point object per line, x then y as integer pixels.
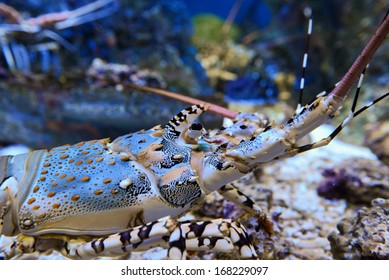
{"type": "Point", "coordinates": [208, 28]}
{"type": "Point", "coordinates": [222, 61]}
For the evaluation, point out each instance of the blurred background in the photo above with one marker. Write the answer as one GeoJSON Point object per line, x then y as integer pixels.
{"type": "Point", "coordinates": [63, 63]}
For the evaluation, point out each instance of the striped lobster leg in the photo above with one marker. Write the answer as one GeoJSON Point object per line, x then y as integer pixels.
{"type": "Point", "coordinates": [234, 195]}
{"type": "Point", "coordinates": [222, 235]}
{"type": "Point", "coordinates": [22, 246]}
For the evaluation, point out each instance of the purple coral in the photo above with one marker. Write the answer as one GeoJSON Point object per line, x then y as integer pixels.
{"type": "Point", "coordinates": [336, 185]}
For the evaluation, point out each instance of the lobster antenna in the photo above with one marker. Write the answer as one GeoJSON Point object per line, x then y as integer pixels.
{"type": "Point", "coordinates": [231, 16]}
{"type": "Point", "coordinates": [219, 110]}
{"type": "Point", "coordinates": [360, 84]}
{"type": "Point", "coordinates": [343, 86]}
{"type": "Point", "coordinates": [308, 14]}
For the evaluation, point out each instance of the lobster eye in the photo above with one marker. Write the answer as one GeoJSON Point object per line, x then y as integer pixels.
{"type": "Point", "coordinates": [195, 131]}
{"type": "Point", "coordinates": [196, 126]}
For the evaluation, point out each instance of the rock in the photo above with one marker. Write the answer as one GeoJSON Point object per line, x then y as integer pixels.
{"type": "Point", "coordinates": [377, 139]}
{"type": "Point", "coordinates": [357, 180]}
{"type": "Point", "coordinates": [365, 236]}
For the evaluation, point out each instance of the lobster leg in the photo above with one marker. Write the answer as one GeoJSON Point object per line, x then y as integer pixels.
{"type": "Point", "coordinates": [9, 248]}
{"type": "Point", "coordinates": [177, 237]}
{"type": "Point", "coordinates": [221, 235]}
{"type": "Point", "coordinates": [233, 194]}
{"type": "Point", "coordinates": [23, 246]}
{"type": "Point", "coordinates": [15, 247]}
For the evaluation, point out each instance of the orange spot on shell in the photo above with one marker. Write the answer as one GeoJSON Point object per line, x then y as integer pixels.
{"type": "Point", "coordinates": [99, 159]}
{"type": "Point", "coordinates": [98, 192]}
{"type": "Point", "coordinates": [75, 197]}
{"type": "Point", "coordinates": [79, 162]}
{"type": "Point", "coordinates": [71, 160]}
{"type": "Point", "coordinates": [47, 164]}
{"type": "Point", "coordinates": [56, 205]}
{"type": "Point", "coordinates": [44, 172]}
{"type": "Point", "coordinates": [71, 178]}
{"type": "Point", "coordinates": [125, 158]}
{"type": "Point", "coordinates": [36, 207]}
{"type": "Point", "coordinates": [51, 194]}
{"type": "Point", "coordinates": [85, 179]}
{"type": "Point", "coordinates": [114, 191]}
{"type": "Point", "coordinates": [157, 133]}
{"type": "Point", "coordinates": [31, 201]}
{"type": "Point", "coordinates": [36, 188]}
{"type": "Point", "coordinates": [89, 161]}
{"type": "Point", "coordinates": [41, 215]}
{"type": "Point", "coordinates": [42, 178]}
{"type": "Point", "coordinates": [62, 176]}
{"type": "Point", "coordinates": [112, 162]}
{"type": "Point", "coordinates": [64, 156]}
{"type": "Point", "coordinates": [54, 184]}
{"type": "Point", "coordinates": [107, 181]}
{"type": "Point", "coordinates": [80, 144]}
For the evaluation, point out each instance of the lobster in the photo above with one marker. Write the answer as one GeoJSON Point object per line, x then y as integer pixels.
{"type": "Point", "coordinates": [103, 198]}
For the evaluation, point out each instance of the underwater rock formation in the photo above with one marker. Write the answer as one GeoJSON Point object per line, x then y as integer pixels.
{"type": "Point", "coordinates": [154, 34]}
{"type": "Point", "coordinates": [62, 101]}
{"type": "Point", "coordinates": [377, 139]}
{"type": "Point", "coordinates": [365, 236]}
{"type": "Point", "coordinates": [357, 180]}
{"type": "Point", "coordinates": [46, 114]}
{"type": "Point", "coordinates": [103, 74]}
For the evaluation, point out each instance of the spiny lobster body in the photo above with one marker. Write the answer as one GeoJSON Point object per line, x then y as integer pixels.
{"type": "Point", "coordinates": [77, 189]}
{"type": "Point", "coordinates": [100, 187]}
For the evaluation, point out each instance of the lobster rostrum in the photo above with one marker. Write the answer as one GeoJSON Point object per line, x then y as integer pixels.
{"type": "Point", "coordinates": [102, 198]}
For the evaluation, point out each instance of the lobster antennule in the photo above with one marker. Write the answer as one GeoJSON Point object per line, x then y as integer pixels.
{"type": "Point", "coordinates": [343, 87]}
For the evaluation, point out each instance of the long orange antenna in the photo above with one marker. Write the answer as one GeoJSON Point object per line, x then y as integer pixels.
{"type": "Point", "coordinates": [345, 84]}
{"type": "Point", "coordinates": [186, 99]}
